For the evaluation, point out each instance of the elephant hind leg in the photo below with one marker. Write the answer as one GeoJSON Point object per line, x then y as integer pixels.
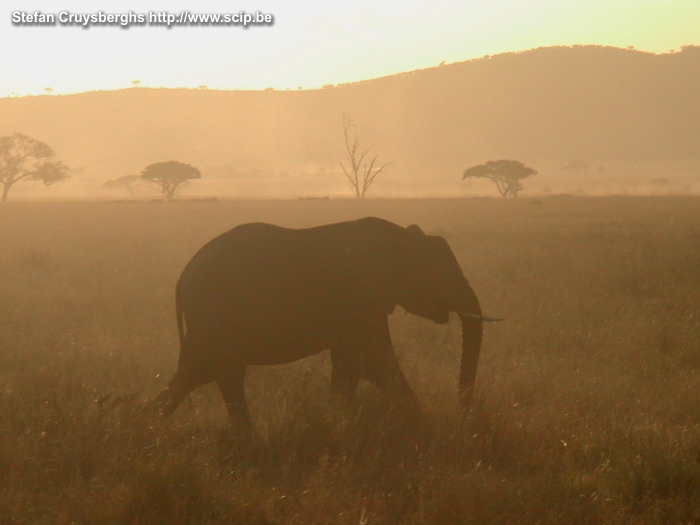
{"type": "Point", "coordinates": [191, 373]}
{"type": "Point", "coordinates": [345, 375]}
{"type": "Point", "coordinates": [177, 390]}
{"type": "Point", "coordinates": [232, 386]}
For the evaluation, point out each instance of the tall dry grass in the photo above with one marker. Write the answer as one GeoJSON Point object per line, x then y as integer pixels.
{"type": "Point", "coordinates": [588, 394]}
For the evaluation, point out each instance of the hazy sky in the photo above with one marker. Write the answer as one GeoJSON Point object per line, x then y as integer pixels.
{"type": "Point", "coordinates": [317, 43]}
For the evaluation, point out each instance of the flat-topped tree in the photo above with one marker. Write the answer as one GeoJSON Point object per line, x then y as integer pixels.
{"type": "Point", "coordinates": [505, 174]}
{"type": "Point", "coordinates": [168, 176]}
{"type": "Point", "coordinates": [25, 158]}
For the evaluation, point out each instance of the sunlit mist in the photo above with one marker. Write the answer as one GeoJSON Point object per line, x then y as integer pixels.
{"type": "Point", "coordinates": [313, 44]}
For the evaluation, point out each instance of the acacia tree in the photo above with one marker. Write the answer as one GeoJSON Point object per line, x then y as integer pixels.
{"type": "Point", "coordinates": [168, 176]}
{"type": "Point", "coordinates": [359, 173]}
{"type": "Point", "coordinates": [25, 158]}
{"type": "Point", "coordinates": [125, 182]}
{"type": "Point", "coordinates": [505, 174]}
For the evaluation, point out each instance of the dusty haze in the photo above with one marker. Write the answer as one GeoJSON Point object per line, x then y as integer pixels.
{"type": "Point", "coordinates": [632, 116]}
{"type": "Point", "coordinates": [587, 394]}
{"type": "Point", "coordinates": [586, 403]}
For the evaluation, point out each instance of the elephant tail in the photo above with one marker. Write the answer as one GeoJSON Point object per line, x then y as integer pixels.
{"type": "Point", "coordinates": [180, 315]}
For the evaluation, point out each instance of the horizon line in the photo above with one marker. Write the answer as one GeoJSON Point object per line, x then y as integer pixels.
{"type": "Point", "coordinates": [204, 87]}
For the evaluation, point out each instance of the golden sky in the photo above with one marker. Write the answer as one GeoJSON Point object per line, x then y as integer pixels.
{"type": "Point", "coordinates": [315, 43]}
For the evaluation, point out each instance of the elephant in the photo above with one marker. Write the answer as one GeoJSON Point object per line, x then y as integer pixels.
{"type": "Point", "coordinates": [261, 294]}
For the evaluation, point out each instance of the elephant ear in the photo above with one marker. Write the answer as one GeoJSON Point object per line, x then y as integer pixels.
{"type": "Point", "coordinates": [369, 263]}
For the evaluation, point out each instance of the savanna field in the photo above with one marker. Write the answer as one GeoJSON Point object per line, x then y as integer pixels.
{"type": "Point", "coordinates": [588, 403]}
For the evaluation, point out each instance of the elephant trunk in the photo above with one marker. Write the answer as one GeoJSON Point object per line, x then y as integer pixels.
{"type": "Point", "coordinates": [472, 331]}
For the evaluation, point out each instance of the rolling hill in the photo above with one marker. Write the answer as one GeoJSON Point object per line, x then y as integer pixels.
{"type": "Point", "coordinates": [625, 112]}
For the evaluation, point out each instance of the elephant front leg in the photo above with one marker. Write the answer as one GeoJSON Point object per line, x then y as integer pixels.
{"type": "Point", "coordinates": [380, 367]}
{"type": "Point", "coordinates": [383, 371]}
{"type": "Point", "coordinates": [345, 375]}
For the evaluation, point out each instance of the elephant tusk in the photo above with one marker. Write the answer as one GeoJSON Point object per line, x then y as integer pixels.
{"type": "Point", "coordinates": [483, 318]}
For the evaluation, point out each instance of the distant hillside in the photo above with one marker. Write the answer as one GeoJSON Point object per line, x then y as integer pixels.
{"type": "Point", "coordinates": [623, 110]}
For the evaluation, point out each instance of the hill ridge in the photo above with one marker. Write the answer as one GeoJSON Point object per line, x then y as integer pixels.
{"type": "Point", "coordinates": [615, 108]}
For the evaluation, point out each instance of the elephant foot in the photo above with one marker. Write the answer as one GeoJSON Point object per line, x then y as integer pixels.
{"type": "Point", "coordinates": [405, 407]}
{"type": "Point", "coordinates": [161, 406]}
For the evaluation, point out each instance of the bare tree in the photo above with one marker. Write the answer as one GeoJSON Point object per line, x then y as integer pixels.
{"type": "Point", "coordinates": [24, 158]}
{"type": "Point", "coordinates": [359, 172]}
{"type": "Point", "coordinates": [505, 174]}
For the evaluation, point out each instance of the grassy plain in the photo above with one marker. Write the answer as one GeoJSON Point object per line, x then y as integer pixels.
{"type": "Point", "coordinates": [588, 403]}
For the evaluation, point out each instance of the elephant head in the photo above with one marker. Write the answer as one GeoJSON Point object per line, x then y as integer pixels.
{"type": "Point", "coordinates": [420, 273]}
